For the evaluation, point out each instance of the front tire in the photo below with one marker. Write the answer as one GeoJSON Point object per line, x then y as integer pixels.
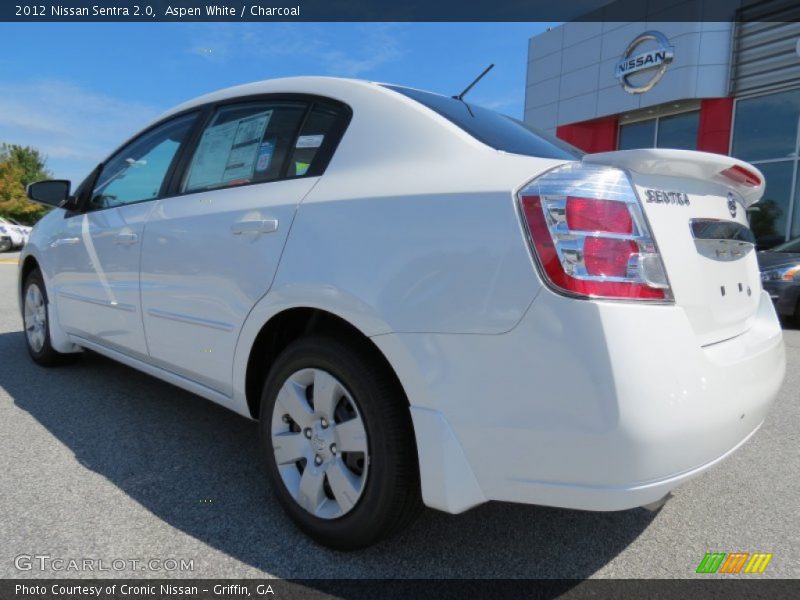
{"type": "Point", "coordinates": [339, 441]}
{"type": "Point", "coordinates": [37, 322]}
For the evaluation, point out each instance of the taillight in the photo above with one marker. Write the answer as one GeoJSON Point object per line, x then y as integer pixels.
{"type": "Point", "coordinates": [589, 234]}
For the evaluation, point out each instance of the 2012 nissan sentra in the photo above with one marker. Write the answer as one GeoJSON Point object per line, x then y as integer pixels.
{"type": "Point", "coordinates": [422, 302]}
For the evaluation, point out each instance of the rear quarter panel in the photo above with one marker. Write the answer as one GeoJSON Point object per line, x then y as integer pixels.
{"type": "Point", "coordinates": [412, 228]}
{"type": "Point", "coordinates": [416, 221]}
{"type": "Point", "coordinates": [445, 262]}
{"type": "Point", "coordinates": [406, 257]}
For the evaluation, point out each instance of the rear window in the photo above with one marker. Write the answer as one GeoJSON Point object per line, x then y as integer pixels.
{"type": "Point", "coordinates": [492, 128]}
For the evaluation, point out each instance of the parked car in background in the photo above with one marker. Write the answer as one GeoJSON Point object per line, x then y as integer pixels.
{"type": "Point", "coordinates": [25, 230]}
{"type": "Point", "coordinates": [780, 276]}
{"type": "Point", "coordinates": [11, 230]}
{"type": "Point", "coordinates": [5, 240]}
{"type": "Point", "coordinates": [420, 300]}
{"type": "Point", "coordinates": [18, 234]}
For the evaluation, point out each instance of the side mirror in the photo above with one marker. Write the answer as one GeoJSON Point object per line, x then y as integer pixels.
{"type": "Point", "coordinates": [51, 192]}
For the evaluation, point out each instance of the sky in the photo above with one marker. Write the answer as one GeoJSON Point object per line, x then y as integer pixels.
{"type": "Point", "coordinates": [76, 91]}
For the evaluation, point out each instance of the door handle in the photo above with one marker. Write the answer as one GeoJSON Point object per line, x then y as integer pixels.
{"type": "Point", "coordinates": [254, 227]}
{"type": "Point", "coordinates": [65, 242]}
{"type": "Point", "coordinates": [126, 239]}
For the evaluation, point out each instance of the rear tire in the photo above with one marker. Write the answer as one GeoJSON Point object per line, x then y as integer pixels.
{"type": "Point", "coordinates": [318, 393]}
{"type": "Point", "coordinates": [36, 322]}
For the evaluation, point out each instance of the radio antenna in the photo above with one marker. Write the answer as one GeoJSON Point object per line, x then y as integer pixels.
{"type": "Point", "coordinates": [471, 85]}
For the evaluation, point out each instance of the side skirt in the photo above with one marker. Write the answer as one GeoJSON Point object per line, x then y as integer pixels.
{"type": "Point", "coordinates": [159, 373]}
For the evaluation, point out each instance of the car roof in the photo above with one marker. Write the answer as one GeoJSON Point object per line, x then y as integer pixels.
{"type": "Point", "coordinates": [368, 100]}
{"type": "Point", "coordinates": [337, 88]}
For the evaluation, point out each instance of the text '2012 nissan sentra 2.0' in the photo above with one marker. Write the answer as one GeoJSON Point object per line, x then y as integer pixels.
{"type": "Point", "coordinates": [420, 300]}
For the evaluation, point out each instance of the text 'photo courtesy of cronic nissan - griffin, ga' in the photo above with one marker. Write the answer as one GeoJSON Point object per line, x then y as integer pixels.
{"type": "Point", "coordinates": [441, 308]}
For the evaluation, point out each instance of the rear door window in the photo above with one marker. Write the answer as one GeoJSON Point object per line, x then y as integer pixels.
{"type": "Point", "coordinates": [244, 143]}
{"type": "Point", "coordinates": [492, 128]}
{"type": "Point", "coordinates": [315, 137]}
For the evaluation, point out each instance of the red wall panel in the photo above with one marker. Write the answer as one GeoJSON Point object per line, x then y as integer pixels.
{"type": "Point", "coordinates": [599, 135]}
{"type": "Point", "coordinates": [714, 131]}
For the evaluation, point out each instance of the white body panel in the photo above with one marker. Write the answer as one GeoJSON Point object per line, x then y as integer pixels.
{"type": "Point", "coordinates": [412, 236]}
{"type": "Point", "coordinates": [577, 407]}
{"type": "Point", "coordinates": [95, 276]}
{"type": "Point", "coordinates": [198, 289]}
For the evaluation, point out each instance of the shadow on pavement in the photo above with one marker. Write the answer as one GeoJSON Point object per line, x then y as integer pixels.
{"type": "Point", "coordinates": [169, 450]}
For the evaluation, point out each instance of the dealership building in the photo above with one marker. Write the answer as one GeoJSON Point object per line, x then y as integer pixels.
{"type": "Point", "coordinates": [725, 87]}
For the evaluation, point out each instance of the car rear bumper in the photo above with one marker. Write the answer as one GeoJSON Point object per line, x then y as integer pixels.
{"type": "Point", "coordinates": [588, 405]}
{"type": "Point", "coordinates": [610, 497]}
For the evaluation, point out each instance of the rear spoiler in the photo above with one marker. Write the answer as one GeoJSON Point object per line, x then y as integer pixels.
{"type": "Point", "coordinates": [738, 175]}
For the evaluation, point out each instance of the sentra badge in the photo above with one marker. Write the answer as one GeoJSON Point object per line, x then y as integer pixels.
{"type": "Point", "coordinates": [662, 197]}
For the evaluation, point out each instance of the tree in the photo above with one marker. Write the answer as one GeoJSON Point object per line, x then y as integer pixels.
{"type": "Point", "coordinates": [30, 160]}
{"type": "Point", "coordinates": [19, 166]}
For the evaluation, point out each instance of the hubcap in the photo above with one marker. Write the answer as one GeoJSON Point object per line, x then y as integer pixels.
{"type": "Point", "coordinates": [35, 317]}
{"type": "Point", "coordinates": [320, 443]}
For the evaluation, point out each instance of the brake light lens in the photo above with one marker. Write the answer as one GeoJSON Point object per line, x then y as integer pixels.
{"type": "Point", "coordinates": [589, 234]}
{"type": "Point", "coordinates": [586, 214]}
{"type": "Point", "coordinates": [742, 176]}
{"type": "Point", "coordinates": [606, 257]}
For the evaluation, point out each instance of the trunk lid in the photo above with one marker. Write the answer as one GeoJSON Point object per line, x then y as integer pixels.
{"type": "Point", "coordinates": [696, 204]}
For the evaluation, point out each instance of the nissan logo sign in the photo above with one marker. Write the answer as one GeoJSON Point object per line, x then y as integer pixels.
{"type": "Point", "coordinates": [654, 60]}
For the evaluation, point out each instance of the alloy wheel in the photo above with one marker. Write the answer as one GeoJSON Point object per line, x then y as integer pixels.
{"type": "Point", "coordinates": [35, 317]}
{"type": "Point", "coordinates": [320, 443]}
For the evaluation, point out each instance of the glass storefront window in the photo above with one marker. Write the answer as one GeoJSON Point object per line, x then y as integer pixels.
{"type": "Point", "coordinates": [765, 132]}
{"type": "Point", "coordinates": [766, 126]}
{"type": "Point", "coordinates": [637, 135]}
{"type": "Point", "coordinates": [678, 131]}
{"type": "Point", "coordinates": [795, 232]}
{"type": "Point", "coordinates": [769, 216]}
{"type": "Point", "coordinates": [675, 131]}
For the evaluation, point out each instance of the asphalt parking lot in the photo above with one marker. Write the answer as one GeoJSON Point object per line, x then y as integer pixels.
{"type": "Point", "coordinates": [102, 462]}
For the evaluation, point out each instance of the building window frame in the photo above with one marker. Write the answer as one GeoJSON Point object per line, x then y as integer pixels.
{"type": "Point", "coordinates": [657, 119]}
{"type": "Point", "coordinates": [787, 234]}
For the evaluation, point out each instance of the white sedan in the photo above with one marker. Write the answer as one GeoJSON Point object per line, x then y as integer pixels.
{"type": "Point", "coordinates": [17, 234]}
{"type": "Point", "coordinates": [422, 301]}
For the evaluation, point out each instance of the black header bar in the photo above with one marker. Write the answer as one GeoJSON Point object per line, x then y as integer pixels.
{"type": "Point", "coordinates": [387, 10]}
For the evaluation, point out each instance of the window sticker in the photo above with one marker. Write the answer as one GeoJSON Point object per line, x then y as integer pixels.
{"type": "Point", "coordinates": [227, 152]}
{"type": "Point", "coordinates": [309, 141]}
{"type": "Point", "coordinates": [300, 168]}
{"type": "Point", "coordinates": [265, 152]}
